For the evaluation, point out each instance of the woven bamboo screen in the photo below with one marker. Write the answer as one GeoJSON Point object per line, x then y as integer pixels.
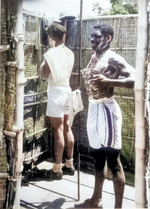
{"type": "Point", "coordinates": [3, 59]}
{"type": "Point", "coordinates": [31, 28]}
{"type": "Point", "coordinates": [4, 39]}
{"type": "Point", "coordinates": [3, 154]}
{"type": "Point", "coordinates": [35, 95]}
{"type": "Point", "coordinates": [124, 43]}
{"type": "Point", "coordinates": [7, 158]}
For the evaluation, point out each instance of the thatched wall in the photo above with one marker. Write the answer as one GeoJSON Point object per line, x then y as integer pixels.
{"type": "Point", "coordinates": [3, 59]}
{"type": "Point", "coordinates": [3, 154]}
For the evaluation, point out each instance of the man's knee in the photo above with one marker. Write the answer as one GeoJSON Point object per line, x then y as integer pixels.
{"type": "Point", "coordinates": [66, 124]}
{"type": "Point", "coordinates": [116, 167]}
{"type": "Point", "coordinates": [58, 129]}
{"type": "Point", "coordinates": [66, 127]}
{"type": "Point", "coordinates": [99, 171]}
{"type": "Point", "coordinates": [113, 160]}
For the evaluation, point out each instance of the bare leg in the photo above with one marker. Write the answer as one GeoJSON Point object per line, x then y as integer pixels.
{"type": "Point", "coordinates": [55, 173]}
{"type": "Point", "coordinates": [58, 130]}
{"type": "Point", "coordinates": [100, 159]}
{"type": "Point", "coordinates": [96, 200]}
{"type": "Point", "coordinates": [118, 180]}
{"type": "Point", "coordinates": [99, 180]}
{"type": "Point", "coordinates": [119, 184]}
{"type": "Point", "coordinates": [69, 138]}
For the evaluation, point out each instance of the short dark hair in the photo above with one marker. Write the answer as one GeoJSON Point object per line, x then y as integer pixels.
{"type": "Point", "coordinates": [56, 30]}
{"type": "Point", "coordinates": [105, 29]}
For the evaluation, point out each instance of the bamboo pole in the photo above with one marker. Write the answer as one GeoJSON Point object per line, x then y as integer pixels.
{"type": "Point", "coordinates": [20, 81]}
{"type": "Point", "coordinates": [148, 133]}
{"type": "Point", "coordinates": [79, 79]}
{"type": "Point", "coordinates": [140, 141]}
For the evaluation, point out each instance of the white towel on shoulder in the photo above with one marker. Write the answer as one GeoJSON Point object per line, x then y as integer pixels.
{"type": "Point", "coordinates": [60, 62]}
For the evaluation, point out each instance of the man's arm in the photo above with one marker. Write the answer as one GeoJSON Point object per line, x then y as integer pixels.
{"type": "Point", "coordinates": [120, 82]}
{"type": "Point", "coordinates": [127, 82]}
{"type": "Point", "coordinates": [44, 70]}
{"type": "Point", "coordinates": [126, 78]}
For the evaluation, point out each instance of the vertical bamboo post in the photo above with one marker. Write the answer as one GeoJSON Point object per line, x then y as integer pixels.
{"type": "Point", "coordinates": [148, 132]}
{"type": "Point", "coordinates": [140, 142]}
{"type": "Point", "coordinates": [20, 81]}
{"type": "Point", "coordinates": [79, 83]}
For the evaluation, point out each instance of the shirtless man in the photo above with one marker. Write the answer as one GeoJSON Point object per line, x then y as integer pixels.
{"type": "Point", "coordinates": [105, 71]}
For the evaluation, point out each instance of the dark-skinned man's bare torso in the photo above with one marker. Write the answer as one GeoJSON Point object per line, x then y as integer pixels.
{"type": "Point", "coordinates": [110, 61]}
{"type": "Point", "coordinates": [95, 90]}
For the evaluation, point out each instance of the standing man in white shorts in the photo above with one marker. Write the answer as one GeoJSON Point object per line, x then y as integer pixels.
{"type": "Point", "coordinates": [104, 115]}
{"type": "Point", "coordinates": [57, 67]}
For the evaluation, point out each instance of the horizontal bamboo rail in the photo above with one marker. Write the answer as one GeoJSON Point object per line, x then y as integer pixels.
{"type": "Point", "coordinates": [4, 48]}
{"type": "Point", "coordinates": [37, 155]}
{"type": "Point", "coordinates": [36, 132]}
{"type": "Point", "coordinates": [117, 48]}
{"type": "Point", "coordinates": [4, 175]}
{"type": "Point", "coordinates": [28, 95]}
{"type": "Point", "coordinates": [34, 103]}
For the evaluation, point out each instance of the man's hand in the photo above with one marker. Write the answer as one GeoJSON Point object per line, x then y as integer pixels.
{"type": "Point", "coordinates": [122, 82]}
{"type": "Point", "coordinates": [100, 78]}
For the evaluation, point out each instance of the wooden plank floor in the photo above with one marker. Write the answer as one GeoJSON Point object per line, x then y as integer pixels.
{"type": "Point", "coordinates": [64, 193]}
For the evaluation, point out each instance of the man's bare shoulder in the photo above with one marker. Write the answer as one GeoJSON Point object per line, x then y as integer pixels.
{"type": "Point", "coordinates": [113, 55]}
{"type": "Point", "coordinates": [118, 60]}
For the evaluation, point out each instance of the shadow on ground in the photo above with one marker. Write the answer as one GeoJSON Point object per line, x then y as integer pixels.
{"type": "Point", "coordinates": [56, 204]}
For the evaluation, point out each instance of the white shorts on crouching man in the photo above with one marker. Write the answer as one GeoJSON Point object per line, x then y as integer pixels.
{"type": "Point", "coordinates": [104, 124]}
{"type": "Point", "coordinates": [58, 101]}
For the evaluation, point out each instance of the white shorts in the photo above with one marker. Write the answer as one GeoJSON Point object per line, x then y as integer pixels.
{"type": "Point", "coordinates": [58, 101]}
{"type": "Point", "coordinates": [104, 124]}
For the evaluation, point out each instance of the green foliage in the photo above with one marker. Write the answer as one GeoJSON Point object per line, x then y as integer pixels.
{"type": "Point", "coordinates": [118, 9]}
{"type": "Point", "coordinates": [132, 9]}
{"type": "Point", "coordinates": [113, 2]}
